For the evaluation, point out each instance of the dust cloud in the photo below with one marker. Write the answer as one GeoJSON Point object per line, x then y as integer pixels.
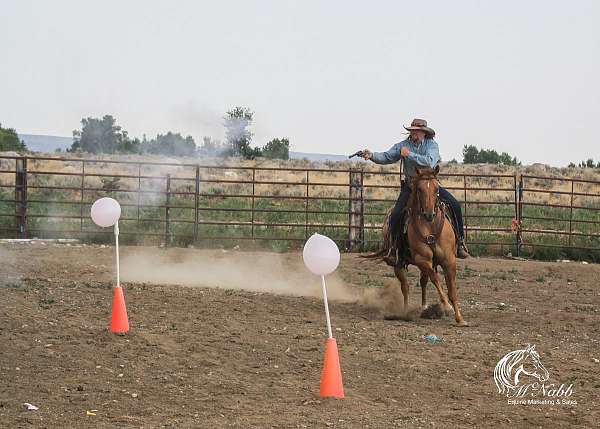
{"type": "Point", "coordinates": [389, 302]}
{"type": "Point", "coordinates": [252, 271]}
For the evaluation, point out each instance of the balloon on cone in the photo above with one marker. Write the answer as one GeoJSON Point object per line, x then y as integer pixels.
{"type": "Point", "coordinates": [119, 323]}
{"type": "Point", "coordinates": [331, 378]}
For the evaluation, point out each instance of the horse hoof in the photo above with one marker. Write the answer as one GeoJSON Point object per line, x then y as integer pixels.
{"type": "Point", "coordinates": [434, 311]}
{"type": "Point", "coordinates": [462, 324]}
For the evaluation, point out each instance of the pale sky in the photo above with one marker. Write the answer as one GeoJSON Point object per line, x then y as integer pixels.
{"type": "Point", "coordinates": [332, 76]}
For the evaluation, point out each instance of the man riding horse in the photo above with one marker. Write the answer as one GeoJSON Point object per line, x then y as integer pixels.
{"type": "Point", "coordinates": [419, 149]}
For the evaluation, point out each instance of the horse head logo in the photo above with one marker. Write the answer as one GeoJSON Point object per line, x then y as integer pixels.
{"type": "Point", "coordinates": [516, 364]}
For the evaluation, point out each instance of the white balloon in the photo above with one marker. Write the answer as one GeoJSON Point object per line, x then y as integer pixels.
{"type": "Point", "coordinates": [321, 255]}
{"type": "Point", "coordinates": [106, 212]}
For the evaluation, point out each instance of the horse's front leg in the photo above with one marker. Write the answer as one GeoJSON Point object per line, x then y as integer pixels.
{"type": "Point", "coordinates": [450, 275]}
{"type": "Point", "coordinates": [427, 270]}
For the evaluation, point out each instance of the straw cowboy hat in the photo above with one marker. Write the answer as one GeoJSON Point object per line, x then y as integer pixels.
{"type": "Point", "coordinates": [420, 125]}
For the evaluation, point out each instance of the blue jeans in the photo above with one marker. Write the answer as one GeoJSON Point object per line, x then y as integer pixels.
{"type": "Point", "coordinates": [445, 196]}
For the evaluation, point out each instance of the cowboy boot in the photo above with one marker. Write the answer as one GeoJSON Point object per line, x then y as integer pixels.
{"type": "Point", "coordinates": [461, 249]}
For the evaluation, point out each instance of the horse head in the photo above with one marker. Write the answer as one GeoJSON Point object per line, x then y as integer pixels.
{"type": "Point", "coordinates": [516, 363]}
{"type": "Point", "coordinates": [426, 191]}
{"type": "Point", "coordinates": [533, 358]}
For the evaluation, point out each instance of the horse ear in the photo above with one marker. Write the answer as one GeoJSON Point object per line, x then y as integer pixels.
{"type": "Point", "coordinates": [436, 170]}
{"type": "Point", "coordinates": [418, 170]}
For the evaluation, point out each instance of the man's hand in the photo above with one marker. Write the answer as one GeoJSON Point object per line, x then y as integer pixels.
{"type": "Point", "coordinates": [404, 151]}
{"type": "Point", "coordinates": [367, 154]}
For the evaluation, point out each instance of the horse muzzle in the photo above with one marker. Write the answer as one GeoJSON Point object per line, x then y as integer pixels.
{"type": "Point", "coordinates": [429, 217]}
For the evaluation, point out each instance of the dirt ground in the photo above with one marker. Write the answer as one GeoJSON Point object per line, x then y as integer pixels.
{"type": "Point", "coordinates": [241, 356]}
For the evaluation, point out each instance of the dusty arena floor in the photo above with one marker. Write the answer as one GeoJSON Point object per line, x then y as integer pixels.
{"type": "Point", "coordinates": [234, 339]}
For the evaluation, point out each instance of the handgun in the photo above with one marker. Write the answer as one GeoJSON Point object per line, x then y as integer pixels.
{"type": "Point", "coordinates": [359, 153]}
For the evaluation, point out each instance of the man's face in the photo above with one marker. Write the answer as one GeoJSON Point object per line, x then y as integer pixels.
{"type": "Point", "coordinates": [417, 135]}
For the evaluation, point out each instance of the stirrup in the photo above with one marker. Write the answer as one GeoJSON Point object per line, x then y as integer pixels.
{"type": "Point", "coordinates": [461, 250]}
{"type": "Point", "coordinates": [391, 258]}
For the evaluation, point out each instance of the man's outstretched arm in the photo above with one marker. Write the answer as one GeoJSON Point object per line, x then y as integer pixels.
{"type": "Point", "coordinates": [388, 157]}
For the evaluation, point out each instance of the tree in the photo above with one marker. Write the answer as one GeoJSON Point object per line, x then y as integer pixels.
{"type": "Point", "coordinates": [472, 155]}
{"type": "Point", "coordinates": [170, 144]}
{"type": "Point", "coordinates": [588, 164]}
{"type": "Point", "coordinates": [238, 136]}
{"type": "Point", "coordinates": [9, 140]}
{"type": "Point", "coordinates": [277, 149]}
{"type": "Point", "coordinates": [211, 147]}
{"type": "Point", "coordinates": [102, 136]}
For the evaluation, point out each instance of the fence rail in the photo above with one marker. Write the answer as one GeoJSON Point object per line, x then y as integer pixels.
{"type": "Point", "coordinates": [182, 204]}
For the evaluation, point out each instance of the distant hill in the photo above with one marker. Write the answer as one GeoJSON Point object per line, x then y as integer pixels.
{"type": "Point", "coordinates": [317, 156]}
{"type": "Point", "coordinates": [48, 144]}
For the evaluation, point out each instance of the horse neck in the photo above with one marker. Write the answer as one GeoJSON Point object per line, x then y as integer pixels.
{"type": "Point", "coordinates": [413, 201]}
{"type": "Point", "coordinates": [515, 362]}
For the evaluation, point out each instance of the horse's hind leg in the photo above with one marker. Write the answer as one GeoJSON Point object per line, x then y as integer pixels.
{"type": "Point", "coordinates": [450, 275]}
{"type": "Point", "coordinates": [401, 275]}
{"type": "Point", "coordinates": [423, 282]}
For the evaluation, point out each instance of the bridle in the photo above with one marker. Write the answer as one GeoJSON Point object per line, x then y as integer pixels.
{"type": "Point", "coordinates": [436, 208]}
{"type": "Point", "coordinates": [435, 219]}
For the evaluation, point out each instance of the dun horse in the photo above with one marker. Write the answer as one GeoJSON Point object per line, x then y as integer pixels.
{"type": "Point", "coordinates": [432, 242]}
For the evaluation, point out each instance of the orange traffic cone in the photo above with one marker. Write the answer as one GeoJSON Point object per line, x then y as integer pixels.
{"type": "Point", "coordinates": [331, 378]}
{"type": "Point", "coordinates": [119, 323]}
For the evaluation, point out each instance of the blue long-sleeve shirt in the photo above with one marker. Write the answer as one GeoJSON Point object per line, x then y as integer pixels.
{"type": "Point", "coordinates": [425, 154]}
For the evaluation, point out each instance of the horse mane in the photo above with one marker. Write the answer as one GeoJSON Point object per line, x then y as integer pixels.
{"type": "Point", "coordinates": [504, 370]}
{"type": "Point", "coordinates": [426, 172]}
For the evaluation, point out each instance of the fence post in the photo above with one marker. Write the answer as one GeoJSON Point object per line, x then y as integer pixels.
{"type": "Point", "coordinates": [253, 203]}
{"type": "Point", "coordinates": [81, 197]}
{"type": "Point", "coordinates": [306, 208]}
{"type": "Point", "coordinates": [139, 188]}
{"type": "Point", "coordinates": [466, 216]}
{"type": "Point", "coordinates": [196, 198]}
{"type": "Point", "coordinates": [571, 213]}
{"type": "Point", "coordinates": [21, 196]}
{"type": "Point", "coordinates": [168, 213]}
{"type": "Point", "coordinates": [355, 212]}
{"type": "Point", "coordinates": [519, 215]}
{"type": "Point", "coordinates": [362, 211]}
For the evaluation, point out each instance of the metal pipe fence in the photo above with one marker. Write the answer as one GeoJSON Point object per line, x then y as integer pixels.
{"type": "Point", "coordinates": [569, 219]}
{"type": "Point", "coordinates": [190, 204]}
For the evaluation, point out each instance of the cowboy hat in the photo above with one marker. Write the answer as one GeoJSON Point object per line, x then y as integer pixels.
{"type": "Point", "coordinates": [420, 125]}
